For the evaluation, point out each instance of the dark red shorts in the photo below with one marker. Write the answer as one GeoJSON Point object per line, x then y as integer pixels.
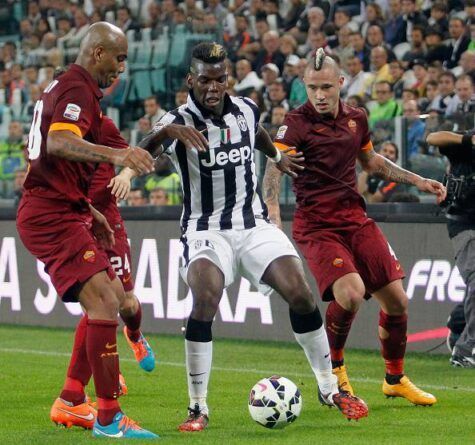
{"type": "Point", "coordinates": [364, 249]}
{"type": "Point", "coordinates": [119, 256]}
{"type": "Point", "coordinates": [61, 238]}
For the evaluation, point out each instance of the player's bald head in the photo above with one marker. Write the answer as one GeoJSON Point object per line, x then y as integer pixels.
{"type": "Point", "coordinates": [102, 34]}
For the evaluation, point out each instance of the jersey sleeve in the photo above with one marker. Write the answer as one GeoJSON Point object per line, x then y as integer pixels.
{"type": "Point", "coordinates": [110, 134]}
{"type": "Point", "coordinates": [290, 133]}
{"type": "Point", "coordinates": [73, 111]}
{"type": "Point", "coordinates": [366, 144]}
{"type": "Point", "coordinates": [255, 110]}
{"type": "Point", "coordinates": [168, 118]}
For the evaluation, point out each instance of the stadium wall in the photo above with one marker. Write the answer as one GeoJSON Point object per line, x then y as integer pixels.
{"type": "Point", "coordinates": [432, 282]}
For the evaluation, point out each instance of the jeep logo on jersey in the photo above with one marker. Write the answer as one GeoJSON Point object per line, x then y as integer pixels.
{"type": "Point", "coordinates": [235, 156]}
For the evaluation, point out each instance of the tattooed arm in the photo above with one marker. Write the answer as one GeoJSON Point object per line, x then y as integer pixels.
{"type": "Point", "coordinates": [67, 145]}
{"type": "Point", "coordinates": [271, 186]}
{"type": "Point", "coordinates": [379, 166]}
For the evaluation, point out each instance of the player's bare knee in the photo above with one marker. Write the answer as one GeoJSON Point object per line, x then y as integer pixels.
{"type": "Point", "coordinates": [205, 305]}
{"type": "Point", "coordinates": [300, 299]}
{"type": "Point", "coordinates": [350, 298]}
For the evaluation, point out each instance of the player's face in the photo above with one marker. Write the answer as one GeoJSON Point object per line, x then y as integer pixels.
{"type": "Point", "coordinates": [111, 63]}
{"type": "Point", "coordinates": [209, 83]}
{"type": "Point", "coordinates": [323, 89]}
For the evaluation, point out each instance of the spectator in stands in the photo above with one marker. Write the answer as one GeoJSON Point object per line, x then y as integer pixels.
{"type": "Point", "coordinates": [436, 50]}
{"type": "Point", "coordinates": [34, 93]}
{"type": "Point", "coordinates": [270, 73]}
{"type": "Point", "coordinates": [438, 17]}
{"type": "Point", "coordinates": [293, 15]}
{"type": "Point", "coordinates": [379, 62]}
{"type": "Point", "coordinates": [64, 27]}
{"type": "Point", "coordinates": [344, 50]}
{"type": "Point", "coordinates": [158, 197]}
{"type": "Point", "coordinates": [288, 45]}
{"type": "Point", "coordinates": [412, 17]}
{"type": "Point", "coordinates": [247, 79]}
{"type": "Point", "coordinates": [153, 111]}
{"type": "Point", "coordinates": [395, 26]}
{"type": "Point", "coordinates": [26, 32]}
{"type": "Point", "coordinates": [81, 25]}
{"type": "Point", "coordinates": [375, 38]}
{"type": "Point", "coordinates": [431, 92]}
{"type": "Point", "coordinates": [236, 45]}
{"type": "Point", "coordinates": [434, 70]}
{"type": "Point", "coordinates": [11, 151]}
{"type": "Point", "coordinates": [446, 87]}
{"type": "Point", "coordinates": [181, 96]}
{"type": "Point", "coordinates": [166, 178]}
{"type": "Point", "coordinates": [137, 198]}
{"type": "Point", "coordinates": [33, 13]}
{"type": "Point", "coordinates": [316, 39]}
{"type": "Point", "coordinates": [357, 102]}
{"type": "Point", "coordinates": [358, 82]}
{"type": "Point", "coordinates": [270, 53]}
{"type": "Point", "coordinates": [409, 94]}
{"type": "Point", "coordinates": [298, 93]}
{"type": "Point", "coordinates": [290, 71]}
{"type": "Point", "coordinates": [277, 97]}
{"type": "Point", "coordinates": [374, 16]}
{"type": "Point", "coordinates": [42, 27]}
{"type": "Point", "coordinates": [9, 54]}
{"type": "Point", "coordinates": [125, 21]}
{"type": "Point", "coordinates": [396, 71]}
{"type": "Point", "coordinates": [415, 127]}
{"type": "Point", "coordinates": [466, 64]}
{"type": "Point", "coordinates": [386, 107]}
{"type": "Point", "coordinates": [311, 19]}
{"type": "Point", "coordinates": [341, 17]}
{"type": "Point", "coordinates": [418, 48]}
{"type": "Point", "coordinates": [143, 128]}
{"type": "Point", "coordinates": [419, 68]}
{"type": "Point", "coordinates": [361, 49]}
{"type": "Point", "coordinates": [464, 100]}
{"type": "Point", "coordinates": [273, 17]}
{"type": "Point", "coordinates": [459, 42]}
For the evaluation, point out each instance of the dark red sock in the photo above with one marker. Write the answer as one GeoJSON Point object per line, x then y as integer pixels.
{"type": "Point", "coordinates": [107, 409]}
{"type": "Point", "coordinates": [393, 348]}
{"type": "Point", "coordinates": [338, 325]}
{"type": "Point", "coordinates": [103, 358]}
{"type": "Point", "coordinates": [133, 324]}
{"type": "Point", "coordinates": [79, 371]}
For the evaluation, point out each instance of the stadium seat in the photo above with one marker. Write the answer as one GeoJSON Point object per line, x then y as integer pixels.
{"type": "Point", "coordinates": [140, 55]}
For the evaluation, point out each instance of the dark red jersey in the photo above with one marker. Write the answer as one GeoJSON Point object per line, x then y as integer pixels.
{"type": "Point", "coordinates": [70, 102]}
{"type": "Point", "coordinates": [101, 196]}
{"type": "Point", "coordinates": [326, 190]}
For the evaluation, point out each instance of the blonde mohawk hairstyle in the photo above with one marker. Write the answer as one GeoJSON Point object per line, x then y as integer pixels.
{"type": "Point", "coordinates": [319, 58]}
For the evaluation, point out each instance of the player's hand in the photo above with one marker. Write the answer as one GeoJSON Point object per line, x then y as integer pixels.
{"type": "Point", "coordinates": [120, 187]}
{"type": "Point", "coordinates": [434, 187]}
{"type": "Point", "coordinates": [274, 214]}
{"type": "Point", "coordinates": [291, 162]}
{"type": "Point", "coordinates": [138, 159]}
{"type": "Point", "coordinates": [189, 136]}
{"type": "Point", "coordinates": [101, 229]}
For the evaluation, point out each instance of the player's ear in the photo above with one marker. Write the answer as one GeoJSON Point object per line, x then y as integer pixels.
{"type": "Point", "coordinates": [189, 81]}
{"type": "Point", "coordinates": [98, 53]}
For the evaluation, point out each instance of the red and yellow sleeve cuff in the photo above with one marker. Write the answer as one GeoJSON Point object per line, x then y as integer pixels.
{"type": "Point", "coordinates": [367, 147]}
{"type": "Point", "coordinates": [61, 126]}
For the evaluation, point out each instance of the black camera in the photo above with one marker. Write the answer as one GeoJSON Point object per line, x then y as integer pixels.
{"type": "Point", "coordinates": [457, 187]}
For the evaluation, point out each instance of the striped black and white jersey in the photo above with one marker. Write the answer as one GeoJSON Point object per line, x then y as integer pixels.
{"type": "Point", "coordinates": [220, 188]}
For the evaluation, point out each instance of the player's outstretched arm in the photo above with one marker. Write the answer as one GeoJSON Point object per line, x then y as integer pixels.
{"type": "Point", "coordinates": [287, 161]}
{"type": "Point", "coordinates": [66, 144]}
{"type": "Point", "coordinates": [379, 166]}
{"type": "Point", "coordinates": [444, 138]}
{"type": "Point", "coordinates": [271, 186]}
{"type": "Point", "coordinates": [189, 136]}
{"type": "Point", "coordinates": [120, 185]}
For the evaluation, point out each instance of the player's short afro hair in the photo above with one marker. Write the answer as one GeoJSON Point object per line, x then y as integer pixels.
{"type": "Point", "coordinates": [209, 52]}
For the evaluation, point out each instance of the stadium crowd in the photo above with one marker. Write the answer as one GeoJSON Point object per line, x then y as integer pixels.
{"type": "Point", "coordinates": [400, 58]}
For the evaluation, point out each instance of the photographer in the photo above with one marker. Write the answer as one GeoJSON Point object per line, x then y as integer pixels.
{"type": "Point", "coordinates": [460, 211]}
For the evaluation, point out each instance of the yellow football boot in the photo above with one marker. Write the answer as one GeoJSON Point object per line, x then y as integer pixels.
{"type": "Point", "coordinates": [406, 389]}
{"type": "Point", "coordinates": [343, 380]}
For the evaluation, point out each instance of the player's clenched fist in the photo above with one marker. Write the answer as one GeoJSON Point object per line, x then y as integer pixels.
{"type": "Point", "coordinates": [138, 159]}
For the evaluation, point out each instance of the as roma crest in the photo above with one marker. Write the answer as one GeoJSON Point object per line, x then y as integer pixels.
{"type": "Point", "coordinates": [352, 125]}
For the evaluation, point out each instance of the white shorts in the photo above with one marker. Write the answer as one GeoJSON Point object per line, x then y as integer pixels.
{"type": "Point", "coordinates": [245, 252]}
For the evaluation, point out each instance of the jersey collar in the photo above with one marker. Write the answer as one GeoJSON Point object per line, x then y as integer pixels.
{"type": "Point", "coordinates": [88, 78]}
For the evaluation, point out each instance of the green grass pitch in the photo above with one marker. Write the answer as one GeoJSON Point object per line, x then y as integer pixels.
{"type": "Point", "coordinates": [33, 362]}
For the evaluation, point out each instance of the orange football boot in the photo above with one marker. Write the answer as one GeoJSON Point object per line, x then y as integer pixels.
{"type": "Point", "coordinates": [83, 415]}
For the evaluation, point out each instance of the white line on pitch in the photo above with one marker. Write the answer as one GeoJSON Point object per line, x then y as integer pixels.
{"type": "Point", "coordinates": [222, 369]}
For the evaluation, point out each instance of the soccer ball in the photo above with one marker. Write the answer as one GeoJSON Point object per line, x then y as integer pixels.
{"type": "Point", "coordinates": [275, 402]}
